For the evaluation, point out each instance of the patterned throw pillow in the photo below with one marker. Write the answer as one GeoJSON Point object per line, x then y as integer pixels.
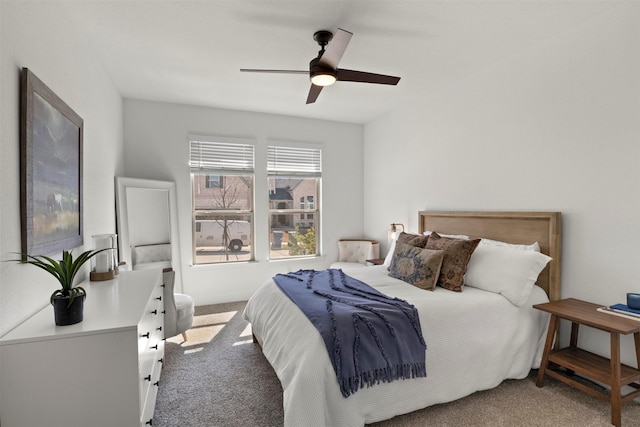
{"type": "Point", "coordinates": [457, 253]}
{"type": "Point", "coordinates": [417, 266]}
{"type": "Point", "coordinates": [413, 239]}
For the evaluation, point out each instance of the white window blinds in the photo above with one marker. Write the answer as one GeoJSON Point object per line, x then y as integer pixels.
{"type": "Point", "coordinates": [294, 161]}
{"type": "Point", "coordinates": [215, 156]}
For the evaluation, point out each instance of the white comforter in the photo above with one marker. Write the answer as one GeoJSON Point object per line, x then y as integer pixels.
{"type": "Point", "coordinates": [475, 339]}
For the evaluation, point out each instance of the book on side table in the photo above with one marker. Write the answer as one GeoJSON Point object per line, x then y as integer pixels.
{"type": "Point", "coordinates": [621, 310]}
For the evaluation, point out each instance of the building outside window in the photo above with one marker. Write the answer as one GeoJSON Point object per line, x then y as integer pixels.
{"type": "Point", "coordinates": [213, 181]}
{"type": "Point", "coordinates": [222, 175]}
{"type": "Point", "coordinates": [294, 176]}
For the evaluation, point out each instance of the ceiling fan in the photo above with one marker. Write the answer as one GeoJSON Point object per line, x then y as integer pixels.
{"type": "Point", "coordinates": [324, 71]}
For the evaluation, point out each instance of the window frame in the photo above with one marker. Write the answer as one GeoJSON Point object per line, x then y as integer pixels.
{"type": "Point", "coordinates": [227, 158]}
{"type": "Point", "coordinates": [310, 167]}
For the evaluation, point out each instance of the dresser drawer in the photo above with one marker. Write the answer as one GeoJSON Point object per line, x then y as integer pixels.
{"type": "Point", "coordinates": [148, 400]}
{"type": "Point", "coordinates": [150, 345]}
{"type": "Point", "coordinates": [152, 319]}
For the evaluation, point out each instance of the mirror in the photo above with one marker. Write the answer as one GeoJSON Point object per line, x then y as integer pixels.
{"type": "Point", "coordinates": [147, 214]}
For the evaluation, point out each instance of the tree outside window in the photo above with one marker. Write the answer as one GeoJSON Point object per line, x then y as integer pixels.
{"type": "Point", "coordinates": [222, 190]}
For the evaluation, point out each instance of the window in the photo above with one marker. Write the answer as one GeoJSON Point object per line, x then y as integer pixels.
{"type": "Point", "coordinates": [222, 175]}
{"type": "Point", "coordinates": [294, 185]}
{"type": "Point", "coordinates": [213, 181]}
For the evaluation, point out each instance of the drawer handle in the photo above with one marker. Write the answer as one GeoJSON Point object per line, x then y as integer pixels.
{"type": "Point", "coordinates": [154, 312]}
{"type": "Point", "coordinates": [159, 298]}
{"type": "Point", "coordinates": [147, 378]}
{"type": "Point", "coordinates": [155, 347]}
{"type": "Point", "coordinates": [149, 423]}
{"type": "Point", "coordinates": [163, 285]}
{"type": "Point", "coordinates": [159, 328]}
{"type": "Point", "coordinates": [157, 384]}
{"type": "Point", "coordinates": [161, 360]}
{"type": "Point", "coordinates": [164, 311]}
{"type": "Point", "coordinates": [145, 335]}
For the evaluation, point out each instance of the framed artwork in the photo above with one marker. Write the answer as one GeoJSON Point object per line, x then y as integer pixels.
{"type": "Point", "coordinates": [50, 169]}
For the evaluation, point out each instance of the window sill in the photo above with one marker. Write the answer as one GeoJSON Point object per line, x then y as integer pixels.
{"type": "Point", "coordinates": [224, 264]}
{"type": "Point", "coordinates": [297, 258]}
{"type": "Point", "coordinates": [220, 265]}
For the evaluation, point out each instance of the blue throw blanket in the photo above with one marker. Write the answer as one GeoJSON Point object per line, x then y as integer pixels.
{"type": "Point", "coordinates": [370, 337]}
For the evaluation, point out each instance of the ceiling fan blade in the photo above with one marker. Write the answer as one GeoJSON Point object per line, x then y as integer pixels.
{"type": "Point", "coordinates": [258, 70]}
{"type": "Point", "coordinates": [335, 49]}
{"type": "Point", "coordinates": [313, 93]}
{"type": "Point", "coordinates": [364, 77]}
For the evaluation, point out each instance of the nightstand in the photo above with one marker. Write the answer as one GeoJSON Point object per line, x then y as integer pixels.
{"type": "Point", "coordinates": [376, 261]}
{"type": "Point", "coordinates": [607, 371]}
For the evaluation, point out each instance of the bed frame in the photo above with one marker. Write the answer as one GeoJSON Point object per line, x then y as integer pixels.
{"type": "Point", "coordinates": [511, 227]}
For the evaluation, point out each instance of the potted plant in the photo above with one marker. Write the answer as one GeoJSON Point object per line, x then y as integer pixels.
{"type": "Point", "coordinates": [68, 302]}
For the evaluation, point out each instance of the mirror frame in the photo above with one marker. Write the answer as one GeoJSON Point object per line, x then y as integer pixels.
{"type": "Point", "coordinates": [122, 183]}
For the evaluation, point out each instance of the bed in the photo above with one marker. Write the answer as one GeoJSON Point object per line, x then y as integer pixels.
{"type": "Point", "coordinates": [475, 338]}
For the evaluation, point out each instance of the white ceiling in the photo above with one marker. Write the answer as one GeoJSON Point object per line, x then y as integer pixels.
{"type": "Point", "coordinates": [190, 52]}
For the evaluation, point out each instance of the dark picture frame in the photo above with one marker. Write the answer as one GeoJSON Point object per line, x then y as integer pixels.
{"type": "Point", "coordinates": [51, 170]}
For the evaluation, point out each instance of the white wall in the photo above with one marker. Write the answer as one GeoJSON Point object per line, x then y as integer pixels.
{"type": "Point", "coordinates": [45, 38]}
{"type": "Point", "coordinates": [554, 128]}
{"type": "Point", "coordinates": [156, 147]}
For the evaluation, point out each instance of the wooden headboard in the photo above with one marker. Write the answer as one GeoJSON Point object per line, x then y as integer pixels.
{"type": "Point", "coordinates": [511, 227]}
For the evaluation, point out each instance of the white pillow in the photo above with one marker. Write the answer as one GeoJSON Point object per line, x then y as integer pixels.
{"type": "Point", "coordinates": [453, 236]}
{"type": "Point", "coordinates": [504, 270]}
{"type": "Point", "coordinates": [387, 259]}
{"type": "Point", "coordinates": [532, 247]}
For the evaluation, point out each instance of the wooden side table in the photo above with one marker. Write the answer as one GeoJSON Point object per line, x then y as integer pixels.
{"type": "Point", "coordinates": [607, 371]}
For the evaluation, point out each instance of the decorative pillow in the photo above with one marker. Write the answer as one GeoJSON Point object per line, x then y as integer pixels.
{"type": "Point", "coordinates": [532, 247]}
{"type": "Point", "coordinates": [505, 270]}
{"type": "Point", "coordinates": [413, 239]}
{"type": "Point", "coordinates": [151, 253]}
{"type": "Point", "coordinates": [456, 257]}
{"type": "Point", "coordinates": [417, 266]}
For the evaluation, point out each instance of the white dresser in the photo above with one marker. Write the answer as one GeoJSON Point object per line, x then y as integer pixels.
{"type": "Point", "coordinates": [101, 372]}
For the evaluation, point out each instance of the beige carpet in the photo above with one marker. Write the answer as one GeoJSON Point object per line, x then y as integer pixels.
{"type": "Point", "coordinates": [220, 378]}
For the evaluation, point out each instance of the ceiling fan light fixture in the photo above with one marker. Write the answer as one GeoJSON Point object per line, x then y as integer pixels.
{"type": "Point", "coordinates": [323, 78]}
{"type": "Point", "coordinates": [321, 75]}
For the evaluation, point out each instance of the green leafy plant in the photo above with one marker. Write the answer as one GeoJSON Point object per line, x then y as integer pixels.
{"type": "Point", "coordinates": [302, 243]}
{"type": "Point", "coordinates": [64, 270]}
